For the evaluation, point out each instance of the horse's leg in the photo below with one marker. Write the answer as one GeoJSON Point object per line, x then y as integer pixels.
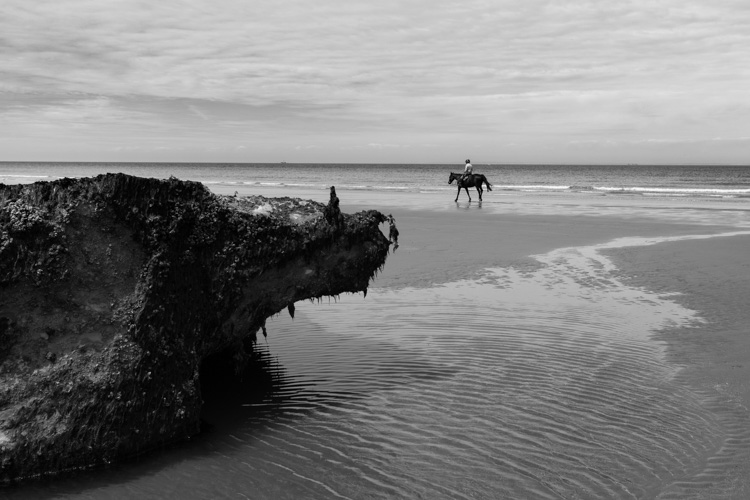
{"type": "Point", "coordinates": [479, 190]}
{"type": "Point", "coordinates": [467, 193]}
{"type": "Point", "coordinates": [458, 193]}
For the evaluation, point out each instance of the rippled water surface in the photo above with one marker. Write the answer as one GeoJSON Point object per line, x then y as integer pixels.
{"type": "Point", "coordinates": [536, 382]}
{"type": "Point", "coordinates": [525, 384]}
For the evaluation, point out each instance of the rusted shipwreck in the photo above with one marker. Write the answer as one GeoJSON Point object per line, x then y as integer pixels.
{"type": "Point", "coordinates": [114, 289]}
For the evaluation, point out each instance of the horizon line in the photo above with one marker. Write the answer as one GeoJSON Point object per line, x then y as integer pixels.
{"type": "Point", "coordinates": [628, 164]}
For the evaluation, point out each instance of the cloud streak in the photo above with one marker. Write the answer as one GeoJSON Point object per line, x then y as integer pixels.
{"type": "Point", "coordinates": [472, 74]}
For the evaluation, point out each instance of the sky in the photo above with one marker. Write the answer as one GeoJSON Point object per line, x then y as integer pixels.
{"type": "Point", "coordinates": [382, 81]}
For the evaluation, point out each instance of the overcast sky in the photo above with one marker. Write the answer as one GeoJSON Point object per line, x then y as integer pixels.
{"type": "Point", "coordinates": [529, 81]}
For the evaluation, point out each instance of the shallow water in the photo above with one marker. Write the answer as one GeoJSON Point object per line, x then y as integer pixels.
{"type": "Point", "coordinates": [541, 383]}
{"type": "Point", "coordinates": [536, 382]}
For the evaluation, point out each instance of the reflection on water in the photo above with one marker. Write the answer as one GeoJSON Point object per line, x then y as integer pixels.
{"type": "Point", "coordinates": [528, 384]}
{"type": "Point", "coordinates": [468, 205]}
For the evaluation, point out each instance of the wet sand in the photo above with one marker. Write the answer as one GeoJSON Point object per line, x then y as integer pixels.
{"type": "Point", "coordinates": [710, 276]}
{"type": "Point", "coordinates": [713, 277]}
{"type": "Point", "coordinates": [507, 229]}
{"type": "Point", "coordinates": [477, 241]}
{"type": "Point", "coordinates": [375, 351]}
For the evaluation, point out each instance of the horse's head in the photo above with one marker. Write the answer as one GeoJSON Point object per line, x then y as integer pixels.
{"type": "Point", "coordinates": [452, 178]}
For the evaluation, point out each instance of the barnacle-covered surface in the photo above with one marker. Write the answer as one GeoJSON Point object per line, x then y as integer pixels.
{"type": "Point", "coordinates": [114, 289]}
{"type": "Point", "coordinates": [293, 210]}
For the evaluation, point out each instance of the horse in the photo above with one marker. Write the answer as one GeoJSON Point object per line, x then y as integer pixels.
{"type": "Point", "coordinates": [473, 180]}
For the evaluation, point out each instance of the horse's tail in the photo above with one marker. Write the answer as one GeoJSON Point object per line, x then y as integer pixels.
{"type": "Point", "coordinates": [489, 186]}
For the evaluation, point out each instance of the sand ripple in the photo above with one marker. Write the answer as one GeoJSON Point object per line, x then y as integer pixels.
{"type": "Point", "coordinates": [484, 391]}
{"type": "Point", "coordinates": [534, 384]}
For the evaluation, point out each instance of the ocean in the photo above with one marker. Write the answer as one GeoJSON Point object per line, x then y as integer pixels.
{"type": "Point", "coordinates": [500, 354]}
{"type": "Point", "coordinates": [716, 181]}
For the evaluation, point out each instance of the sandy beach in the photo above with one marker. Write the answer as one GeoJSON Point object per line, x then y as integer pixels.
{"type": "Point", "coordinates": [574, 325]}
{"type": "Point", "coordinates": [709, 276]}
{"type": "Point", "coordinates": [525, 347]}
{"type": "Point", "coordinates": [712, 277]}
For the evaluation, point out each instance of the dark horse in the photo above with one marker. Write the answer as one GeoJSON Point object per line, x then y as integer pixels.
{"type": "Point", "coordinates": [474, 180]}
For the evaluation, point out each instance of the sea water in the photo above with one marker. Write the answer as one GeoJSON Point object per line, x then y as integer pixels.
{"type": "Point", "coordinates": [541, 382]}
{"type": "Point", "coordinates": [643, 180]}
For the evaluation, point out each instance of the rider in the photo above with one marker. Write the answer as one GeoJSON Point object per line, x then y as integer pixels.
{"type": "Point", "coordinates": [468, 170]}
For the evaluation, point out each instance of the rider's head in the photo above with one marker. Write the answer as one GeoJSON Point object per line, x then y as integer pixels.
{"type": "Point", "coordinates": [468, 161]}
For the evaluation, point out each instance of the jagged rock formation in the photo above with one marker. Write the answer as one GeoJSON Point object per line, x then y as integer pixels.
{"type": "Point", "coordinates": [114, 289]}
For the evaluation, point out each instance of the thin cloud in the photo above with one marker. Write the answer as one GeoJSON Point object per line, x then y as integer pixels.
{"type": "Point", "coordinates": [373, 72]}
